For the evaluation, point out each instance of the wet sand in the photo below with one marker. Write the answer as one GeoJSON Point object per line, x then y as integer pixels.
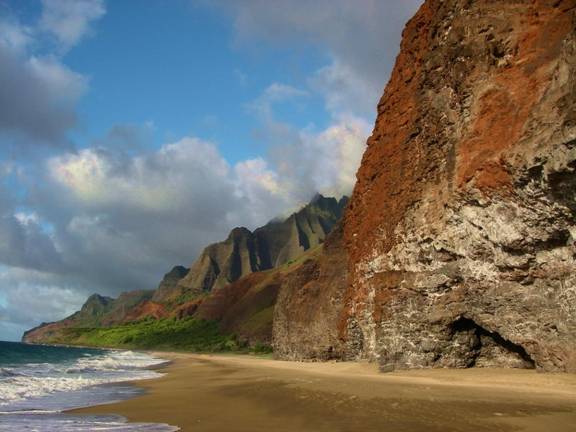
{"type": "Point", "coordinates": [244, 393]}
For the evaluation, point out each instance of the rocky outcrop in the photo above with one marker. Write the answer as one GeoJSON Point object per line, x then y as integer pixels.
{"type": "Point", "coordinates": [222, 263]}
{"type": "Point", "coordinates": [122, 307]}
{"type": "Point", "coordinates": [461, 229]}
{"type": "Point", "coordinates": [285, 241]}
{"type": "Point", "coordinates": [245, 252]}
{"type": "Point", "coordinates": [93, 310]}
{"type": "Point", "coordinates": [46, 332]}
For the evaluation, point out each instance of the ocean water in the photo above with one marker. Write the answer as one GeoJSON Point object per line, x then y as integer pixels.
{"type": "Point", "coordinates": [38, 383]}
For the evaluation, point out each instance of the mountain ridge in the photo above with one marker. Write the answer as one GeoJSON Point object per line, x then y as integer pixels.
{"type": "Point", "coordinates": [267, 247]}
{"type": "Point", "coordinates": [182, 290]}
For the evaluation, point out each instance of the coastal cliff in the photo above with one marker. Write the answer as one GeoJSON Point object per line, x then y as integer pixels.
{"type": "Point", "coordinates": [461, 227]}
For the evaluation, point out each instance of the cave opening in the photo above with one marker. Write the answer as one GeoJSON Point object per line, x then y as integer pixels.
{"type": "Point", "coordinates": [464, 324]}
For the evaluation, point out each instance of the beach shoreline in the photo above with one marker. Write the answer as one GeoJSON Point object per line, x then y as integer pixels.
{"type": "Point", "coordinates": [201, 392]}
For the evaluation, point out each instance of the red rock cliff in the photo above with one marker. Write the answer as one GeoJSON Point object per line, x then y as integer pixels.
{"type": "Point", "coordinates": [461, 227]}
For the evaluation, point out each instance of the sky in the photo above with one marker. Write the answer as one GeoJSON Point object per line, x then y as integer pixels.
{"type": "Point", "coordinates": [134, 133]}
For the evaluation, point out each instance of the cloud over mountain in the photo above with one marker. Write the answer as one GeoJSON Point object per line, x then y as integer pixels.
{"type": "Point", "coordinates": [116, 211]}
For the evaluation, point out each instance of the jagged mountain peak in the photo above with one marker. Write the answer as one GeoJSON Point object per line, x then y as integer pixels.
{"type": "Point", "coordinates": [239, 232]}
{"type": "Point", "coordinates": [96, 303]}
{"type": "Point", "coordinates": [245, 251]}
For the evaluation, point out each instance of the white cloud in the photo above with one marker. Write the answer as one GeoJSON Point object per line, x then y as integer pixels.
{"type": "Point", "coordinates": [259, 186]}
{"type": "Point", "coordinates": [340, 148]}
{"type": "Point", "coordinates": [323, 161]}
{"type": "Point", "coordinates": [275, 93]}
{"type": "Point", "coordinates": [254, 174]}
{"type": "Point", "coordinates": [63, 86]}
{"type": "Point", "coordinates": [27, 218]}
{"type": "Point", "coordinates": [345, 90]}
{"type": "Point", "coordinates": [308, 160]}
{"type": "Point", "coordinates": [361, 36]}
{"type": "Point", "coordinates": [69, 20]}
{"type": "Point", "coordinates": [153, 182]}
{"type": "Point", "coordinates": [37, 98]}
{"type": "Point", "coordinates": [15, 36]}
{"type": "Point", "coordinates": [23, 241]}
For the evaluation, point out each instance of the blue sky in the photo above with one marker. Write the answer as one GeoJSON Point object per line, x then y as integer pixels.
{"type": "Point", "coordinates": [180, 70]}
{"type": "Point", "coordinates": [132, 134]}
{"type": "Point", "coordinates": [176, 67]}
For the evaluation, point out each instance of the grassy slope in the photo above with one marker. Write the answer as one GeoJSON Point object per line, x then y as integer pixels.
{"type": "Point", "coordinates": [188, 334]}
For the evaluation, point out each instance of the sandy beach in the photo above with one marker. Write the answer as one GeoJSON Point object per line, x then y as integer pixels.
{"type": "Point", "coordinates": [244, 393]}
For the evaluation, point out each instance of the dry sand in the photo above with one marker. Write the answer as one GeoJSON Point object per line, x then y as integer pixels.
{"type": "Point", "coordinates": [244, 393]}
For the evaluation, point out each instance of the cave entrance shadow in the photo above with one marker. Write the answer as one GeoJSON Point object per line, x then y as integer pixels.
{"type": "Point", "coordinates": [464, 324]}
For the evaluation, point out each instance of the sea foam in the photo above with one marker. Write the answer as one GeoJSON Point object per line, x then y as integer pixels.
{"type": "Point", "coordinates": [34, 396]}
{"type": "Point", "coordinates": [29, 381]}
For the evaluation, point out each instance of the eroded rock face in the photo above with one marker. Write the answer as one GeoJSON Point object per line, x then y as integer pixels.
{"type": "Point", "coordinates": [244, 252]}
{"type": "Point", "coordinates": [309, 305]}
{"type": "Point", "coordinates": [169, 283]}
{"type": "Point", "coordinates": [245, 307]}
{"type": "Point", "coordinates": [461, 229]}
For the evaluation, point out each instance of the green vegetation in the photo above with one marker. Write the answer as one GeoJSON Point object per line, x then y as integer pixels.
{"type": "Point", "coordinates": [261, 349]}
{"type": "Point", "coordinates": [188, 334]}
{"type": "Point", "coordinates": [185, 297]}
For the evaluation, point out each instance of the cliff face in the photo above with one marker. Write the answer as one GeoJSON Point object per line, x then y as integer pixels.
{"type": "Point", "coordinates": [310, 303]}
{"type": "Point", "coordinates": [170, 281]}
{"type": "Point", "coordinates": [245, 252]}
{"type": "Point", "coordinates": [92, 312]}
{"type": "Point", "coordinates": [461, 227]}
{"type": "Point", "coordinates": [245, 307]}
{"type": "Point", "coordinates": [221, 263]}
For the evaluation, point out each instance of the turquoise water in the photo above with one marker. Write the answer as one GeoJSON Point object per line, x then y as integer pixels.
{"type": "Point", "coordinates": [38, 383]}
